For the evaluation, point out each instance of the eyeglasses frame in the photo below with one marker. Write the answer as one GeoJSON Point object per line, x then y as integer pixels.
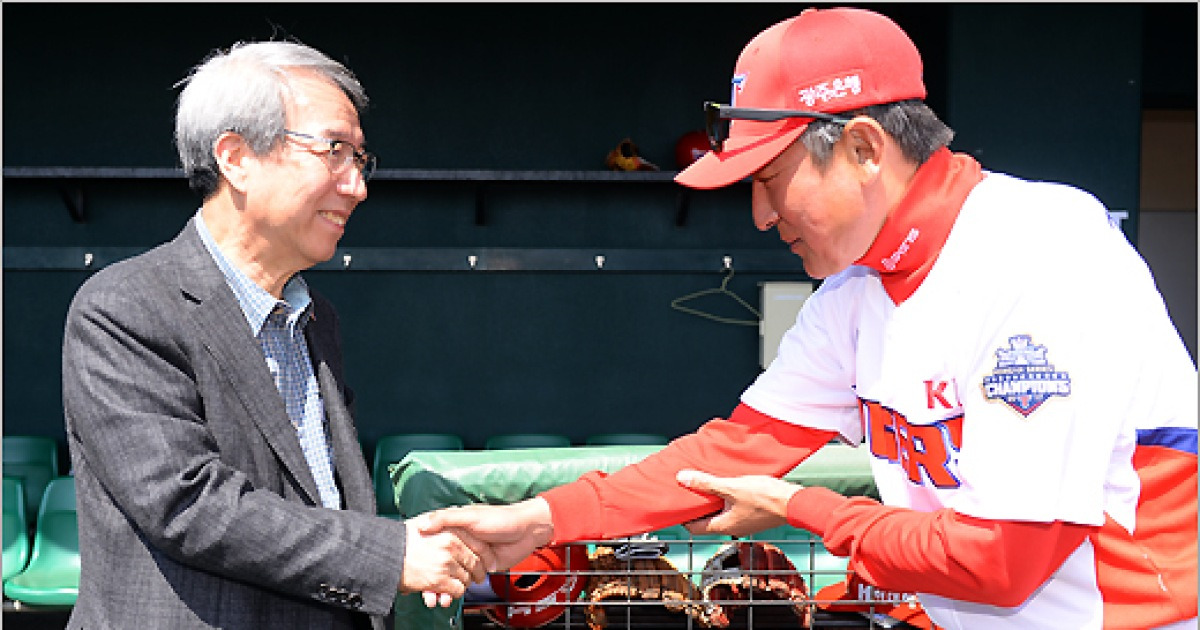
{"type": "Point", "coordinates": [715, 112]}
{"type": "Point", "coordinates": [364, 160]}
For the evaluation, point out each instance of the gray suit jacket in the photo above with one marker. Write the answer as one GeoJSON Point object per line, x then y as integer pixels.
{"type": "Point", "coordinates": [196, 506]}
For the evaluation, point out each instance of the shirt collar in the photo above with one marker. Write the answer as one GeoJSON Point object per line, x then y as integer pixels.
{"type": "Point", "coordinates": [258, 304]}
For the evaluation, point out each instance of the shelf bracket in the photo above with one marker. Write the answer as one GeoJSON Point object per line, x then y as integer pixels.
{"type": "Point", "coordinates": [682, 201]}
{"type": "Point", "coordinates": [480, 208]}
{"type": "Point", "coordinates": [72, 196]}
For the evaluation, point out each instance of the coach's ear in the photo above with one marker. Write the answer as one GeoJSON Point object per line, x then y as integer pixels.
{"type": "Point", "coordinates": [867, 144]}
{"type": "Point", "coordinates": [234, 159]}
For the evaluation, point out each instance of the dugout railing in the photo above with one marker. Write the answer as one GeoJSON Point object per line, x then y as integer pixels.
{"type": "Point", "coordinates": [428, 480]}
{"type": "Point", "coordinates": [821, 603]}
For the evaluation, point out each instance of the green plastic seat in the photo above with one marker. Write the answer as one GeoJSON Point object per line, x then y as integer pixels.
{"type": "Point", "coordinates": [391, 449]}
{"type": "Point", "coordinates": [16, 530]}
{"type": "Point", "coordinates": [34, 460]}
{"type": "Point", "coordinates": [527, 440]}
{"type": "Point", "coordinates": [621, 439]}
{"type": "Point", "coordinates": [52, 577]}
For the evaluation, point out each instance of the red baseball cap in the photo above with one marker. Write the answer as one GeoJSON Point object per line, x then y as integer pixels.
{"type": "Point", "coordinates": [823, 60]}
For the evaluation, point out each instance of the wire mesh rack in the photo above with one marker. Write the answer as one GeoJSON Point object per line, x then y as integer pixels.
{"type": "Point", "coordinates": [674, 581]}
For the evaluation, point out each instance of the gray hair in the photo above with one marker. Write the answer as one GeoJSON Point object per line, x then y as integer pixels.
{"type": "Point", "coordinates": [917, 130]}
{"type": "Point", "coordinates": [242, 90]}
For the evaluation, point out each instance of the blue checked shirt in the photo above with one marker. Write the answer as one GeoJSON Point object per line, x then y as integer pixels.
{"type": "Point", "coordinates": [279, 327]}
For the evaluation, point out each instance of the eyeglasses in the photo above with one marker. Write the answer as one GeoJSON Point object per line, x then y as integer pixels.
{"type": "Point", "coordinates": [717, 117]}
{"type": "Point", "coordinates": [340, 154]}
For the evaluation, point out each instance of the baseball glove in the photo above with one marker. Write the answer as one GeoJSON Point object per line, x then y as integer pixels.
{"type": "Point", "coordinates": [743, 573]}
{"type": "Point", "coordinates": [618, 578]}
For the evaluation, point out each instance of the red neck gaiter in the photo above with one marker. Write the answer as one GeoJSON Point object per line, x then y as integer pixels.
{"type": "Point", "coordinates": [917, 228]}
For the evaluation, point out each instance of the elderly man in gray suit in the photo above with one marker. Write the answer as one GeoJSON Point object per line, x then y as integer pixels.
{"type": "Point", "coordinates": [219, 475]}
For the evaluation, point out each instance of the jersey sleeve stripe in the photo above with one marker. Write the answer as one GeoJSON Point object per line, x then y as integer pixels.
{"type": "Point", "coordinates": [1178, 438]}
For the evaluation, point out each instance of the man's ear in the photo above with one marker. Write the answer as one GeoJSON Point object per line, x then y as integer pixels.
{"type": "Point", "coordinates": [866, 141]}
{"type": "Point", "coordinates": [234, 159]}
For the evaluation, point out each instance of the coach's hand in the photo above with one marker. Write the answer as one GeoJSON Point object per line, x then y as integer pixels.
{"type": "Point", "coordinates": [752, 503]}
{"type": "Point", "coordinates": [511, 532]}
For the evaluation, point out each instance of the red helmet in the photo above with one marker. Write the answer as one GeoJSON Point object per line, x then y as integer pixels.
{"type": "Point", "coordinates": [535, 588]}
{"type": "Point", "coordinates": [690, 147]}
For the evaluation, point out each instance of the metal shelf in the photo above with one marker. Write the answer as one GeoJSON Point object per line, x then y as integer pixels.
{"type": "Point", "coordinates": [87, 172]}
{"type": "Point", "coordinates": [395, 174]}
{"type": "Point", "coordinates": [71, 178]}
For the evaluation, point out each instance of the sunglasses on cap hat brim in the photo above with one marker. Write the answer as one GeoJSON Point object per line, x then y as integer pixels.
{"type": "Point", "coordinates": [717, 117]}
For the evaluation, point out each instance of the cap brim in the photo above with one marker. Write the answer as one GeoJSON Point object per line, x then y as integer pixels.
{"type": "Point", "coordinates": [741, 158]}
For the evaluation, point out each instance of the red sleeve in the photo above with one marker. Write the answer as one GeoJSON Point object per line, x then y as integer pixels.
{"type": "Point", "coordinates": [644, 496]}
{"type": "Point", "coordinates": [1000, 563]}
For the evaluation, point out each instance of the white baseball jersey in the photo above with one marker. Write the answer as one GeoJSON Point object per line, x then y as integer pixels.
{"type": "Point", "coordinates": [1034, 375]}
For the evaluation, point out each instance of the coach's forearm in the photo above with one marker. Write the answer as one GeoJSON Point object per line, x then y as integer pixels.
{"type": "Point", "coordinates": [644, 496]}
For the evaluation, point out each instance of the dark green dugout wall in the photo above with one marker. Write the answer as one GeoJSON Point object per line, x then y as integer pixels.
{"type": "Point", "coordinates": [551, 343]}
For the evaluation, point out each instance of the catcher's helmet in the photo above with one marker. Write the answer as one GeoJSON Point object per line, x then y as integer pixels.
{"type": "Point", "coordinates": [690, 147]}
{"type": "Point", "coordinates": [535, 588]}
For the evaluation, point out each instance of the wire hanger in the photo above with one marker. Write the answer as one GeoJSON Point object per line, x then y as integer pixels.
{"type": "Point", "coordinates": [677, 303]}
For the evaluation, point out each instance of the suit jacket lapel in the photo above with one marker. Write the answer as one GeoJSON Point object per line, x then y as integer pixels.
{"type": "Point", "coordinates": [222, 328]}
{"type": "Point", "coordinates": [358, 492]}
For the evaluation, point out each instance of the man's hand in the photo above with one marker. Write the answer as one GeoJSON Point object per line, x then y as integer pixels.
{"type": "Point", "coordinates": [511, 532]}
{"type": "Point", "coordinates": [752, 503]}
{"type": "Point", "coordinates": [442, 563]}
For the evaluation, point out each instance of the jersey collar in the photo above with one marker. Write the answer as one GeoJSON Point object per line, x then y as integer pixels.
{"type": "Point", "coordinates": [917, 228]}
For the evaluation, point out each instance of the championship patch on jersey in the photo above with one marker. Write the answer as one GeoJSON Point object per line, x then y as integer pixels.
{"type": "Point", "coordinates": [1024, 378]}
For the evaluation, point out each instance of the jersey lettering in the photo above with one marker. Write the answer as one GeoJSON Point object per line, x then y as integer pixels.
{"type": "Point", "coordinates": [935, 391]}
{"type": "Point", "coordinates": [928, 448]}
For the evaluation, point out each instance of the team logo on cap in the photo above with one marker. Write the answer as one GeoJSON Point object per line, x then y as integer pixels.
{"type": "Point", "coordinates": [833, 89]}
{"type": "Point", "coordinates": [739, 81]}
{"type": "Point", "coordinates": [1024, 379]}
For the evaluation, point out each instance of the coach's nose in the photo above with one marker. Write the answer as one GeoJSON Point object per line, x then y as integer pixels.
{"type": "Point", "coordinates": [763, 212]}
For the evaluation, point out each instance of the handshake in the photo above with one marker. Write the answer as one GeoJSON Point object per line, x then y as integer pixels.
{"type": "Point", "coordinates": [448, 549]}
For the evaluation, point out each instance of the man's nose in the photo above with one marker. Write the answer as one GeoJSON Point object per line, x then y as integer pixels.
{"type": "Point", "coordinates": [353, 183]}
{"type": "Point", "coordinates": [764, 213]}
